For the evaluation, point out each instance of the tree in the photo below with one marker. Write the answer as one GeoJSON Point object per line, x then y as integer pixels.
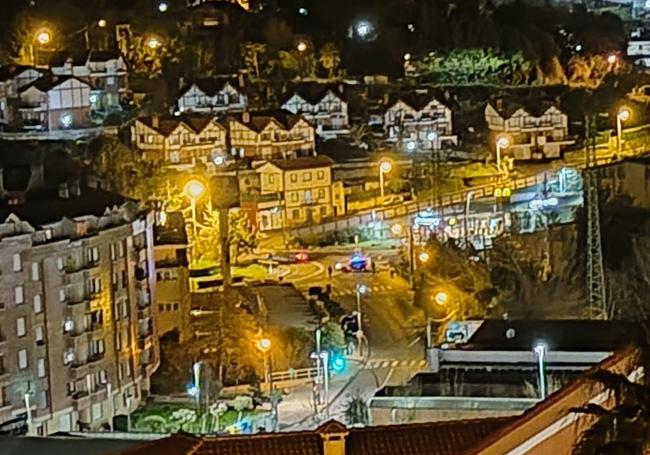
{"type": "Point", "coordinates": [332, 337]}
{"type": "Point", "coordinates": [356, 411]}
{"type": "Point", "coordinates": [147, 58]}
{"type": "Point", "coordinates": [242, 403]}
{"type": "Point", "coordinates": [330, 58]}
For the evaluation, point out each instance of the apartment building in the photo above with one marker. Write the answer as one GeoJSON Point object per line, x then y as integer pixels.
{"type": "Point", "coordinates": [180, 142]}
{"type": "Point", "coordinates": [322, 107]}
{"type": "Point", "coordinates": [418, 123]}
{"type": "Point", "coordinates": [105, 71]}
{"type": "Point", "coordinates": [267, 135]}
{"type": "Point", "coordinates": [295, 192]}
{"type": "Point", "coordinates": [215, 95]}
{"type": "Point", "coordinates": [537, 131]}
{"type": "Point", "coordinates": [77, 327]}
{"type": "Point", "coordinates": [172, 296]}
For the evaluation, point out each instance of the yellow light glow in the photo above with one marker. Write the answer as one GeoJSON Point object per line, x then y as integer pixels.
{"type": "Point", "coordinates": [101, 23]}
{"type": "Point", "coordinates": [424, 256]}
{"type": "Point", "coordinates": [503, 142]}
{"type": "Point", "coordinates": [441, 298]}
{"type": "Point", "coordinates": [385, 166]}
{"type": "Point", "coordinates": [302, 46]}
{"type": "Point", "coordinates": [624, 114]}
{"type": "Point", "coordinates": [194, 189]}
{"type": "Point", "coordinates": [44, 37]}
{"type": "Point", "coordinates": [611, 59]}
{"type": "Point", "coordinates": [264, 344]}
{"type": "Point", "coordinates": [397, 229]}
{"type": "Point", "coordinates": [153, 43]}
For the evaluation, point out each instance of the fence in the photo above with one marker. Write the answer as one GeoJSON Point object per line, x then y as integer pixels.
{"type": "Point", "coordinates": [292, 375]}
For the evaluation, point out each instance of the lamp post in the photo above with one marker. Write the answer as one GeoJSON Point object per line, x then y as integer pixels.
{"type": "Point", "coordinates": [540, 351]}
{"type": "Point", "coordinates": [622, 115]}
{"type": "Point", "coordinates": [42, 38]}
{"type": "Point", "coordinates": [264, 345]}
{"type": "Point", "coordinates": [153, 42]}
{"type": "Point", "coordinates": [502, 143]}
{"type": "Point", "coordinates": [468, 201]}
{"type": "Point", "coordinates": [361, 289]}
{"type": "Point", "coordinates": [385, 166]}
{"type": "Point", "coordinates": [193, 190]}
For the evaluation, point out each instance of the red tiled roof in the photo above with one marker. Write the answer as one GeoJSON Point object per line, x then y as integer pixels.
{"type": "Point", "coordinates": [439, 438]}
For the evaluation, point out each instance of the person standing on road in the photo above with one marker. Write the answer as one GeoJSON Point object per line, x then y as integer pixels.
{"type": "Point", "coordinates": [373, 267]}
{"type": "Point", "coordinates": [329, 271]}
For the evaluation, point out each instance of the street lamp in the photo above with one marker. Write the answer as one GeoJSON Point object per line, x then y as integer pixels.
{"type": "Point", "coordinates": [612, 59]}
{"type": "Point", "coordinates": [623, 115]}
{"type": "Point", "coordinates": [540, 350]}
{"type": "Point", "coordinates": [163, 7]}
{"type": "Point", "coordinates": [302, 46]}
{"type": "Point", "coordinates": [101, 23]}
{"type": "Point", "coordinates": [44, 37]}
{"type": "Point", "coordinates": [385, 166]}
{"type": "Point", "coordinates": [361, 290]}
{"type": "Point", "coordinates": [153, 43]}
{"type": "Point", "coordinates": [424, 257]}
{"type": "Point", "coordinates": [502, 143]}
{"type": "Point", "coordinates": [264, 346]}
{"type": "Point", "coordinates": [441, 298]}
{"type": "Point", "coordinates": [193, 190]}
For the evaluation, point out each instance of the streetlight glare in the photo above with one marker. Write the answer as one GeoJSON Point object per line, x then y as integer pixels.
{"type": "Point", "coordinates": [385, 166]}
{"type": "Point", "coordinates": [396, 229]}
{"type": "Point", "coordinates": [163, 7]}
{"type": "Point", "coordinates": [624, 114]}
{"type": "Point", "coordinates": [102, 23]}
{"type": "Point", "coordinates": [540, 348]}
{"type": "Point", "coordinates": [194, 189]}
{"type": "Point", "coordinates": [364, 28]}
{"type": "Point", "coordinates": [44, 37]}
{"type": "Point", "coordinates": [302, 46]}
{"type": "Point", "coordinates": [424, 256]}
{"type": "Point", "coordinates": [362, 288]}
{"type": "Point", "coordinates": [441, 298]}
{"type": "Point", "coordinates": [219, 160]}
{"type": "Point", "coordinates": [264, 344]}
{"type": "Point", "coordinates": [611, 59]}
{"type": "Point", "coordinates": [503, 142]}
{"type": "Point", "coordinates": [153, 43]}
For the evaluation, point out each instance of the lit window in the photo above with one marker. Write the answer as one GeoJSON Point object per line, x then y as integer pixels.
{"type": "Point", "coordinates": [66, 120]}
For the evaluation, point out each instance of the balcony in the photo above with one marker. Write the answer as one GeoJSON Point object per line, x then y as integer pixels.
{"type": "Point", "coordinates": [144, 312]}
{"type": "Point", "coordinates": [144, 341]}
{"type": "Point", "coordinates": [144, 298]}
{"type": "Point", "coordinates": [81, 400]}
{"type": "Point", "coordinates": [74, 267]}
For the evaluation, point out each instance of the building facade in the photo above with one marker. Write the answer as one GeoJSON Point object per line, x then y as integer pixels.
{"type": "Point", "coordinates": [327, 111]}
{"type": "Point", "coordinates": [296, 192]}
{"type": "Point", "coordinates": [51, 104]}
{"type": "Point", "coordinates": [12, 79]}
{"type": "Point", "coordinates": [105, 72]}
{"type": "Point", "coordinates": [539, 135]}
{"type": "Point", "coordinates": [214, 96]}
{"type": "Point", "coordinates": [180, 142]}
{"type": "Point", "coordinates": [78, 342]}
{"type": "Point", "coordinates": [269, 135]}
{"type": "Point", "coordinates": [172, 296]}
{"type": "Point", "coordinates": [418, 123]}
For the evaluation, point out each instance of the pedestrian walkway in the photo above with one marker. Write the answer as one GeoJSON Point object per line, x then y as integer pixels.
{"type": "Point", "coordinates": [374, 364]}
{"type": "Point", "coordinates": [377, 289]}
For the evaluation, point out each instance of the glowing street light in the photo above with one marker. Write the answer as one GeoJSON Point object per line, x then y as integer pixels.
{"type": "Point", "coordinates": [407, 57]}
{"type": "Point", "coordinates": [153, 43]}
{"type": "Point", "coordinates": [302, 46]}
{"type": "Point", "coordinates": [101, 23]}
{"type": "Point", "coordinates": [397, 229]}
{"type": "Point", "coordinates": [385, 166]}
{"type": "Point", "coordinates": [623, 115]}
{"type": "Point", "coordinates": [364, 29]}
{"type": "Point", "coordinates": [163, 7]}
{"type": "Point", "coordinates": [264, 346]}
{"type": "Point", "coordinates": [193, 190]}
{"type": "Point", "coordinates": [424, 257]}
{"type": "Point", "coordinates": [502, 143]}
{"type": "Point", "coordinates": [219, 160]}
{"type": "Point", "coordinates": [44, 37]}
{"type": "Point", "coordinates": [540, 350]}
{"type": "Point", "coordinates": [612, 59]}
{"type": "Point", "coordinates": [441, 298]}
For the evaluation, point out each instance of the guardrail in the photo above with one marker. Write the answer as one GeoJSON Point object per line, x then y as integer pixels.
{"type": "Point", "coordinates": [291, 375]}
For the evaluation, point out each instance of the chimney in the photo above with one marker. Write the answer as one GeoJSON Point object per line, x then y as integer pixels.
{"type": "Point", "coordinates": [64, 192]}
{"type": "Point", "coordinates": [75, 188]}
{"type": "Point", "coordinates": [246, 117]}
{"type": "Point", "coordinates": [386, 98]}
{"type": "Point", "coordinates": [181, 83]}
{"type": "Point", "coordinates": [499, 104]}
{"type": "Point", "coordinates": [155, 121]}
{"type": "Point", "coordinates": [333, 434]}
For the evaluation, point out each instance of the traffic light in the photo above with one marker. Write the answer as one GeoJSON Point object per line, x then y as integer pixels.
{"type": "Point", "coordinates": [338, 363]}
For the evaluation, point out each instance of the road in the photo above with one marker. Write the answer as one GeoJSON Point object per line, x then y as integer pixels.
{"type": "Point", "coordinates": [390, 323]}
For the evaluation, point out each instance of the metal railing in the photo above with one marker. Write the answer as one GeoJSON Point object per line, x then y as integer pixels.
{"type": "Point", "coordinates": [289, 375]}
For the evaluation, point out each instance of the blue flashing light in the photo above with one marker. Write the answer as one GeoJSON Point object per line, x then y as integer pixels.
{"type": "Point", "coordinates": [338, 363]}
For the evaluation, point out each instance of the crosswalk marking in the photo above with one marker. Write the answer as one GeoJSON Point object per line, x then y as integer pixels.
{"type": "Point", "coordinates": [373, 364]}
{"type": "Point", "coordinates": [336, 292]}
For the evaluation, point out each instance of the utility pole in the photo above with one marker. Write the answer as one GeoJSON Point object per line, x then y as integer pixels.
{"type": "Point", "coordinates": [224, 227]}
{"type": "Point", "coordinates": [596, 292]}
